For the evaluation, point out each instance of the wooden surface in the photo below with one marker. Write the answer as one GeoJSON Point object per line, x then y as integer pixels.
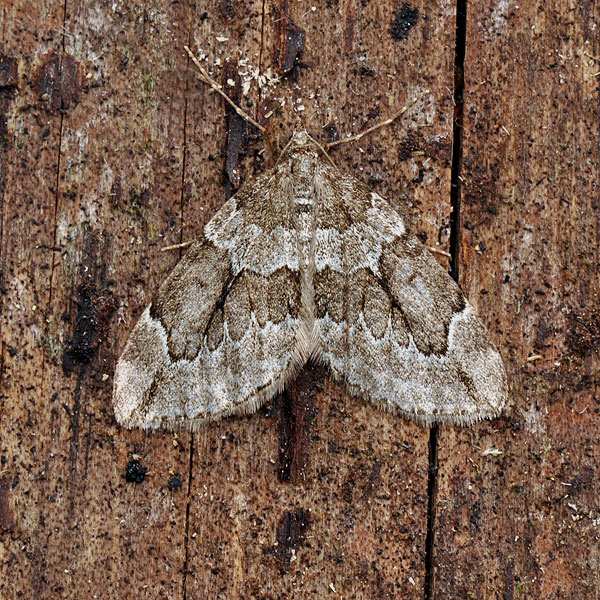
{"type": "Point", "coordinates": [111, 150]}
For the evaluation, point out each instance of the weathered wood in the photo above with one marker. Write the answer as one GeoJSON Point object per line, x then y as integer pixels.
{"type": "Point", "coordinates": [524, 523]}
{"type": "Point", "coordinates": [112, 149]}
{"type": "Point", "coordinates": [90, 189]}
{"type": "Point", "coordinates": [111, 172]}
{"type": "Point", "coordinates": [352, 517]}
{"type": "Point", "coordinates": [29, 165]}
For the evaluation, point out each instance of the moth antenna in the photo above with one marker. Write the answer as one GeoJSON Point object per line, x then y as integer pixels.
{"type": "Point", "coordinates": [324, 151]}
{"type": "Point", "coordinates": [206, 78]}
{"type": "Point", "coordinates": [396, 115]}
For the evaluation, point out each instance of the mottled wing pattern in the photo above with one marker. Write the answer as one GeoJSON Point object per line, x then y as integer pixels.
{"type": "Point", "coordinates": [306, 261]}
{"type": "Point", "coordinates": [392, 323]}
{"type": "Point", "coordinates": [221, 334]}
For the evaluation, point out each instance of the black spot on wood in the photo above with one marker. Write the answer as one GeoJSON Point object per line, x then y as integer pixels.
{"type": "Point", "coordinates": [419, 179]}
{"type": "Point", "coordinates": [332, 131]}
{"type": "Point", "coordinates": [366, 71]}
{"type": "Point", "coordinates": [408, 146]}
{"type": "Point", "coordinates": [8, 71]}
{"type": "Point", "coordinates": [237, 131]}
{"type": "Point", "coordinates": [8, 82]}
{"type": "Point", "coordinates": [174, 483]}
{"type": "Point", "coordinates": [404, 20]}
{"type": "Point", "coordinates": [475, 515]}
{"type": "Point", "coordinates": [582, 480]}
{"type": "Point", "coordinates": [290, 42]}
{"type": "Point", "coordinates": [584, 331]}
{"type": "Point", "coordinates": [297, 413]}
{"type": "Point", "coordinates": [81, 348]}
{"type": "Point", "coordinates": [58, 83]}
{"type": "Point", "coordinates": [226, 8]}
{"type": "Point", "coordinates": [95, 305]}
{"type": "Point", "coordinates": [291, 533]}
{"type": "Point", "coordinates": [135, 472]}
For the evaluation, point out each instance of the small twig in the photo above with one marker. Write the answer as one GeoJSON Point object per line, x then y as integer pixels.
{"type": "Point", "coordinates": [177, 246]}
{"type": "Point", "coordinates": [534, 357]}
{"type": "Point", "coordinates": [439, 251]}
{"type": "Point", "coordinates": [596, 58]}
{"type": "Point", "coordinates": [215, 86]}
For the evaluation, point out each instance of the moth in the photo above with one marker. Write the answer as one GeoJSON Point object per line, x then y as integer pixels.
{"type": "Point", "coordinates": [305, 263]}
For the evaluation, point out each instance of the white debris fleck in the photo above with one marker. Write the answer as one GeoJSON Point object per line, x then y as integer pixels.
{"type": "Point", "coordinates": [491, 451]}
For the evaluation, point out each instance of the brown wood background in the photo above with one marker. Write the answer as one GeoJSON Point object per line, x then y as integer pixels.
{"type": "Point", "coordinates": [110, 149]}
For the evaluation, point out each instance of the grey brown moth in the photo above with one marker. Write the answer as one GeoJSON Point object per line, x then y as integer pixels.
{"type": "Point", "coordinates": [306, 263]}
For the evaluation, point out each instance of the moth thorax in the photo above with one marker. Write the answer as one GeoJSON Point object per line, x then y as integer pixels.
{"type": "Point", "coordinates": [302, 171]}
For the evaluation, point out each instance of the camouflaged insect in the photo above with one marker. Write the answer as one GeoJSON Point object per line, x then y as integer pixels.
{"type": "Point", "coordinates": [306, 263]}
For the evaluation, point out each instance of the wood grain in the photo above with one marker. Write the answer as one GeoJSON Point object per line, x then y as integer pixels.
{"type": "Point", "coordinates": [517, 501]}
{"type": "Point", "coordinates": [112, 149]}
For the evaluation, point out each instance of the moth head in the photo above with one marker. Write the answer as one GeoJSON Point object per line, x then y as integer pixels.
{"type": "Point", "coordinates": [301, 138]}
{"type": "Point", "coordinates": [302, 142]}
